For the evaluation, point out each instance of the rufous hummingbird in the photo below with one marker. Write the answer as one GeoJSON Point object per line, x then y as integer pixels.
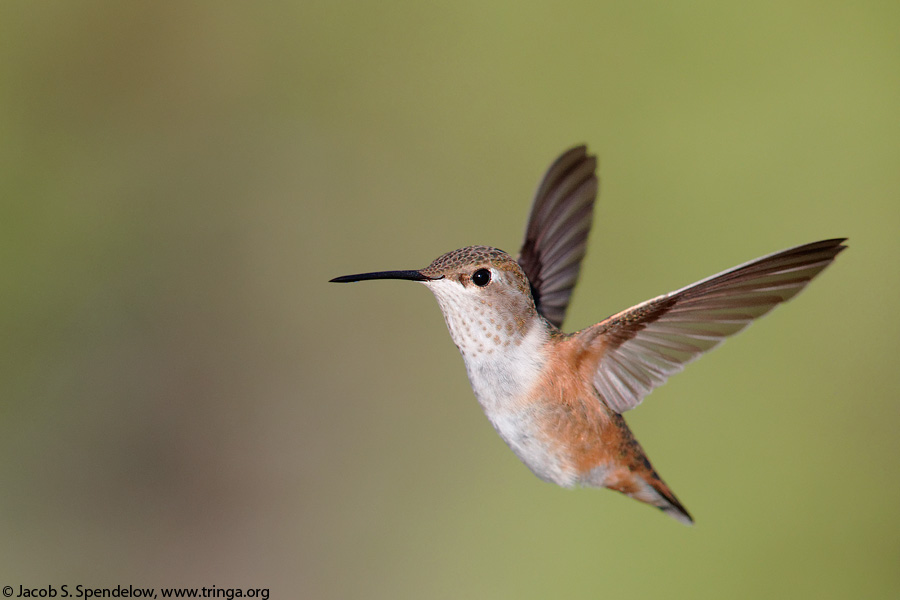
{"type": "Point", "coordinates": [557, 398]}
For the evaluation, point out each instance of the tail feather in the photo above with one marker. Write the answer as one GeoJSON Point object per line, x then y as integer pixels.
{"type": "Point", "coordinates": [678, 513]}
{"type": "Point", "coordinates": [646, 486]}
{"type": "Point", "coordinates": [657, 493]}
{"type": "Point", "coordinates": [671, 505]}
{"type": "Point", "coordinates": [632, 474]}
{"type": "Point", "coordinates": [665, 499]}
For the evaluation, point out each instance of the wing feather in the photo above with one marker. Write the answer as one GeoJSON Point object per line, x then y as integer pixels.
{"type": "Point", "coordinates": [640, 348]}
{"type": "Point", "coordinates": [557, 231]}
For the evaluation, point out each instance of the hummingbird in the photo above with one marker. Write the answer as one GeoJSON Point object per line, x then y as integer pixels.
{"type": "Point", "coordinates": [557, 399]}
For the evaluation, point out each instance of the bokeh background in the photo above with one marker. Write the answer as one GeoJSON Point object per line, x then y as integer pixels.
{"type": "Point", "coordinates": [185, 400]}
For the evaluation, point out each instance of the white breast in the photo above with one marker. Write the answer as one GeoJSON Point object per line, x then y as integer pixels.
{"type": "Point", "coordinates": [503, 370]}
{"type": "Point", "coordinates": [503, 382]}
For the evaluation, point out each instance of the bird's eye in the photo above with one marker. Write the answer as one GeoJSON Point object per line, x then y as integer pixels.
{"type": "Point", "coordinates": [481, 277]}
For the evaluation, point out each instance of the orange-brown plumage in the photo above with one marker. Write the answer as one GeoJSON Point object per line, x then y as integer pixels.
{"type": "Point", "coordinates": [595, 440]}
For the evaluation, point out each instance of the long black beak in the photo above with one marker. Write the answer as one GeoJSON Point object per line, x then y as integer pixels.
{"type": "Point", "coordinates": [410, 275]}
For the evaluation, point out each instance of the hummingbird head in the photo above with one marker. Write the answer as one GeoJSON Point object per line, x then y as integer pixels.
{"type": "Point", "coordinates": [483, 293]}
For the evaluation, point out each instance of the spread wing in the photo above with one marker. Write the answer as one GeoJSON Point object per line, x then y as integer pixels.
{"type": "Point", "coordinates": [641, 347]}
{"type": "Point", "coordinates": [557, 231]}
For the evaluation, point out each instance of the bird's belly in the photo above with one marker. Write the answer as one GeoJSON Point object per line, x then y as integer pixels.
{"type": "Point", "coordinates": [563, 435]}
{"type": "Point", "coordinates": [505, 383]}
{"type": "Point", "coordinates": [542, 454]}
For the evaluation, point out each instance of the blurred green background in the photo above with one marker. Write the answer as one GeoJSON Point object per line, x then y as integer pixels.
{"type": "Point", "coordinates": [185, 400]}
